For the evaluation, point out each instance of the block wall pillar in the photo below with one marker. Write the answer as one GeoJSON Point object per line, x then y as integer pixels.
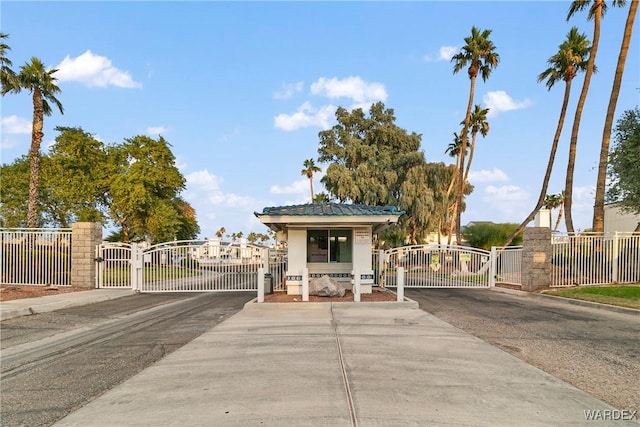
{"type": "Point", "coordinates": [536, 258]}
{"type": "Point", "coordinates": [85, 237]}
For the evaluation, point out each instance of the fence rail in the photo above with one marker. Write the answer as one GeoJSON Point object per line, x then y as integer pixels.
{"type": "Point", "coordinates": [37, 257]}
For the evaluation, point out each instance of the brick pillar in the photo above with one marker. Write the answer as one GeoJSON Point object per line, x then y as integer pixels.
{"type": "Point", "coordinates": [536, 258]}
{"type": "Point", "coordinates": [85, 237]}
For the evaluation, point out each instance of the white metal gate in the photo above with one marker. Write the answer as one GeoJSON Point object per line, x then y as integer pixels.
{"type": "Point", "coordinates": [188, 266]}
{"type": "Point", "coordinates": [437, 266]}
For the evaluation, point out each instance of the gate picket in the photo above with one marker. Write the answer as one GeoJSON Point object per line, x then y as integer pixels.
{"type": "Point", "coordinates": [438, 266]}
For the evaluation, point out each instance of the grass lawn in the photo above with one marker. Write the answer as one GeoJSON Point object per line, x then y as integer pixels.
{"type": "Point", "coordinates": [623, 295]}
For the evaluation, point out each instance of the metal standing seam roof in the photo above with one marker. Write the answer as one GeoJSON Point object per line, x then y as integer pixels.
{"type": "Point", "coordinates": [328, 209]}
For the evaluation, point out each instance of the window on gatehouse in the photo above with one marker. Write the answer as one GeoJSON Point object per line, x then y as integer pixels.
{"type": "Point", "coordinates": [329, 245]}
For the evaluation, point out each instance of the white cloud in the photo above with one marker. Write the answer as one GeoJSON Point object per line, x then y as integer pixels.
{"type": "Point", "coordinates": [351, 87]}
{"type": "Point", "coordinates": [8, 142]}
{"type": "Point", "coordinates": [498, 101]}
{"type": "Point", "coordinates": [156, 130]}
{"type": "Point", "coordinates": [94, 71]}
{"type": "Point", "coordinates": [484, 175]}
{"type": "Point", "coordinates": [297, 187]}
{"type": "Point", "coordinates": [288, 90]}
{"type": "Point", "coordinates": [306, 116]}
{"type": "Point", "coordinates": [445, 53]}
{"type": "Point", "coordinates": [504, 194]}
{"type": "Point", "coordinates": [15, 125]}
{"type": "Point", "coordinates": [206, 189]}
{"type": "Point", "coordinates": [216, 208]}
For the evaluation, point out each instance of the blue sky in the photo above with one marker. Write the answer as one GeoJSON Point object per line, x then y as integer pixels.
{"type": "Point", "coordinates": [241, 90]}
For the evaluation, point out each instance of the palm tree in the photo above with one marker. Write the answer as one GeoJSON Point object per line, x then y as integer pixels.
{"type": "Point", "coordinates": [554, 201]}
{"type": "Point", "coordinates": [478, 54]}
{"type": "Point", "coordinates": [598, 207]}
{"type": "Point", "coordinates": [7, 76]}
{"type": "Point", "coordinates": [309, 169]}
{"type": "Point", "coordinates": [220, 232]}
{"type": "Point", "coordinates": [563, 65]}
{"type": "Point", "coordinates": [454, 149]}
{"type": "Point", "coordinates": [41, 84]}
{"type": "Point", "coordinates": [597, 9]}
{"type": "Point", "coordinates": [478, 123]}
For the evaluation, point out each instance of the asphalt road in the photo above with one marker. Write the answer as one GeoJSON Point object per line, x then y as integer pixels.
{"type": "Point", "coordinates": [594, 349]}
{"type": "Point", "coordinates": [54, 363]}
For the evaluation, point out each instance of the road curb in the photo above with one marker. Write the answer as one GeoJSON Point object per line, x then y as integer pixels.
{"type": "Point", "coordinates": [29, 306]}
{"type": "Point", "coordinates": [572, 301]}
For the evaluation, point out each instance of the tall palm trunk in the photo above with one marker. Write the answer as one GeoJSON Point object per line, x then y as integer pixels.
{"type": "Point", "coordinates": [568, 188]}
{"type": "Point", "coordinates": [311, 187]}
{"type": "Point", "coordinates": [557, 225]}
{"type": "Point", "coordinates": [34, 158]}
{"type": "Point", "coordinates": [598, 207]}
{"type": "Point", "coordinates": [473, 146]}
{"type": "Point", "coordinates": [463, 149]}
{"type": "Point", "coordinates": [451, 211]}
{"type": "Point", "coordinates": [547, 174]}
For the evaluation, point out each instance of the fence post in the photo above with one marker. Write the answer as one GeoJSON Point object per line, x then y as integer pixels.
{"type": "Point", "coordinates": [615, 255]}
{"type": "Point", "coordinates": [137, 267]}
{"type": "Point", "coordinates": [260, 284]}
{"type": "Point", "coordinates": [305, 284]}
{"type": "Point", "coordinates": [400, 283]}
{"type": "Point", "coordinates": [381, 260]}
{"type": "Point", "coordinates": [356, 285]}
{"type": "Point", "coordinates": [493, 271]}
{"type": "Point", "coordinates": [84, 239]}
{"type": "Point", "coordinates": [265, 260]}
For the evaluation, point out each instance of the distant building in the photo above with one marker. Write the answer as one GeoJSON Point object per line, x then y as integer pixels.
{"type": "Point", "coordinates": [617, 220]}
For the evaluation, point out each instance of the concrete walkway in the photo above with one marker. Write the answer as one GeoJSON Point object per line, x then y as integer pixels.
{"type": "Point", "coordinates": [341, 364]}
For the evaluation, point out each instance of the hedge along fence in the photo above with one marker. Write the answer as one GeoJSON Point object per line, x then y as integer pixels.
{"type": "Point", "coordinates": [35, 257]}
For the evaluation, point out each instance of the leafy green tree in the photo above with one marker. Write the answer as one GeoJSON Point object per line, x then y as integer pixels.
{"type": "Point", "coordinates": [484, 235]}
{"type": "Point", "coordinates": [624, 187]}
{"type": "Point", "coordinates": [596, 9]}
{"type": "Point", "coordinates": [564, 65]}
{"type": "Point", "coordinates": [478, 56]}
{"type": "Point", "coordinates": [367, 156]}
{"type": "Point", "coordinates": [310, 168]}
{"type": "Point", "coordinates": [188, 227]}
{"type": "Point", "coordinates": [374, 162]}
{"type": "Point", "coordinates": [14, 193]}
{"type": "Point", "coordinates": [416, 199]}
{"type": "Point", "coordinates": [75, 182]}
{"type": "Point", "coordinates": [144, 183]}
{"type": "Point", "coordinates": [40, 82]}
{"type": "Point", "coordinates": [598, 207]}
{"type": "Point", "coordinates": [439, 176]}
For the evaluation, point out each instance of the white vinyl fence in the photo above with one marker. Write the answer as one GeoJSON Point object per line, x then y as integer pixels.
{"type": "Point", "coordinates": [594, 259]}
{"type": "Point", "coordinates": [507, 265]}
{"type": "Point", "coordinates": [35, 256]}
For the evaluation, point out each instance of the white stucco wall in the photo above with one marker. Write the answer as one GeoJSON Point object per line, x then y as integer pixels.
{"type": "Point", "coordinates": [617, 220]}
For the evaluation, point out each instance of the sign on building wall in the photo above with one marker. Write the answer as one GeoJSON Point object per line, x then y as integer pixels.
{"type": "Point", "coordinates": [363, 237]}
